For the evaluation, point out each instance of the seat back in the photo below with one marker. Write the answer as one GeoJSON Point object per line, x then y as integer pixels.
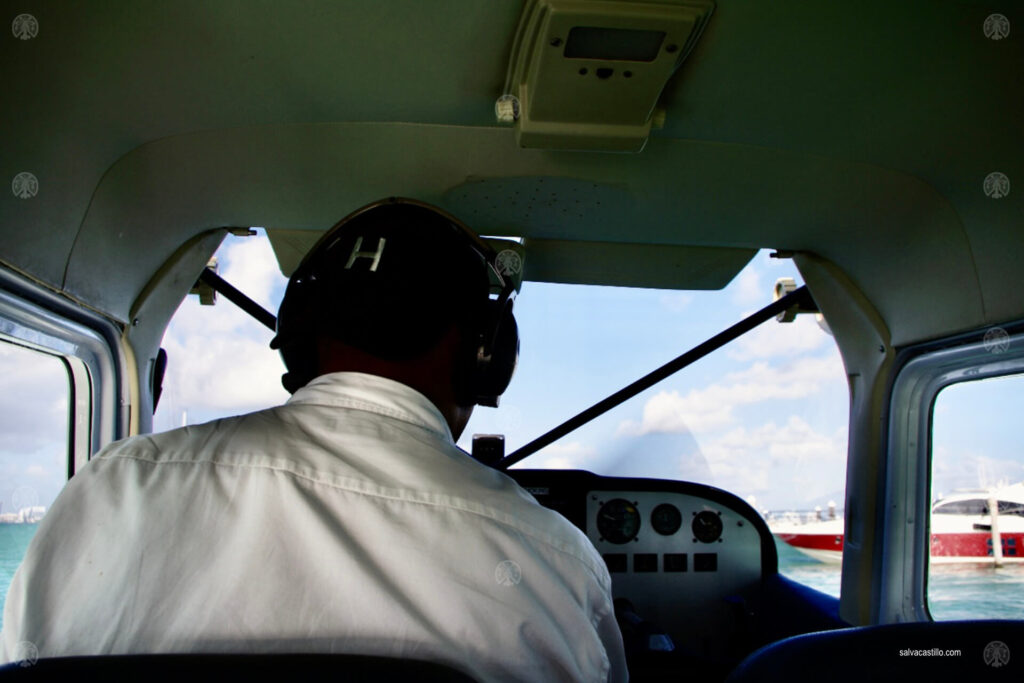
{"type": "Point", "coordinates": [962, 651]}
{"type": "Point", "coordinates": [195, 668]}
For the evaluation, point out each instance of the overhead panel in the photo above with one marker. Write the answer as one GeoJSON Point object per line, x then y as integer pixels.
{"type": "Point", "coordinates": [687, 193]}
{"type": "Point", "coordinates": [587, 74]}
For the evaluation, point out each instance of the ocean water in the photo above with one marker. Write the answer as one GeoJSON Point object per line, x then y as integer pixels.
{"type": "Point", "coordinates": [14, 539]}
{"type": "Point", "coordinates": [954, 591]}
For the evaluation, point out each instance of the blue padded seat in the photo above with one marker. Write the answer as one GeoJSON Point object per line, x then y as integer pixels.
{"type": "Point", "coordinates": [988, 651]}
{"type": "Point", "coordinates": [193, 668]}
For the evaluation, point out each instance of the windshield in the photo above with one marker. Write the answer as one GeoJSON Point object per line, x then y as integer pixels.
{"type": "Point", "coordinates": [764, 417]}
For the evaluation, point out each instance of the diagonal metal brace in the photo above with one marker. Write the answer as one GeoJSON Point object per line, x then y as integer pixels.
{"type": "Point", "coordinates": [800, 299]}
{"type": "Point", "coordinates": [222, 286]}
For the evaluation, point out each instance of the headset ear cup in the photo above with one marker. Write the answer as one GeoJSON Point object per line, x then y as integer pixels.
{"type": "Point", "coordinates": [300, 359]}
{"type": "Point", "coordinates": [294, 339]}
{"type": "Point", "coordinates": [493, 375]}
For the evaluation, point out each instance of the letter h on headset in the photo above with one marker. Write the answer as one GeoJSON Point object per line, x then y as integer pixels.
{"type": "Point", "coordinates": [375, 255]}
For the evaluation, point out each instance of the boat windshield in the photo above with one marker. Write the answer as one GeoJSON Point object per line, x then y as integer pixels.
{"type": "Point", "coordinates": [978, 506]}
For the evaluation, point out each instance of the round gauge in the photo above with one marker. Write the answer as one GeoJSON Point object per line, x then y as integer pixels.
{"type": "Point", "coordinates": [666, 519]}
{"type": "Point", "coordinates": [707, 526]}
{"type": "Point", "coordinates": [618, 521]}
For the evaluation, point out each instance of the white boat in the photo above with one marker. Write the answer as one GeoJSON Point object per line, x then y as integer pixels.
{"type": "Point", "coordinates": [961, 529]}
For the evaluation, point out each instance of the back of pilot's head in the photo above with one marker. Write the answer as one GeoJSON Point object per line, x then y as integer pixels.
{"type": "Point", "coordinates": [391, 279]}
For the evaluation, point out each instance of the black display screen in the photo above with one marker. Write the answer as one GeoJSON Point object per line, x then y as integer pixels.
{"type": "Point", "coordinates": [613, 44]}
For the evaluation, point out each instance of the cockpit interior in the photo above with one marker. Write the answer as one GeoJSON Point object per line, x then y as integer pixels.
{"type": "Point", "coordinates": [875, 146]}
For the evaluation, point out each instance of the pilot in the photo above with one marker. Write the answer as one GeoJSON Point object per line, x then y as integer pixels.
{"type": "Point", "coordinates": [345, 520]}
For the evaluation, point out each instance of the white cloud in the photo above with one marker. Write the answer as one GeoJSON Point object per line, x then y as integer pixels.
{"type": "Point", "coordinates": [563, 456]}
{"type": "Point", "coordinates": [794, 441]}
{"type": "Point", "coordinates": [37, 471]}
{"type": "Point", "coordinates": [712, 408]}
{"type": "Point", "coordinates": [33, 403]}
{"type": "Point", "coordinates": [968, 469]}
{"type": "Point", "coordinates": [250, 265]}
{"type": "Point", "coordinates": [780, 339]}
{"type": "Point", "coordinates": [233, 371]}
{"type": "Point", "coordinates": [747, 288]}
{"type": "Point", "coordinates": [793, 460]}
{"type": "Point", "coordinates": [219, 359]}
{"type": "Point", "coordinates": [33, 426]}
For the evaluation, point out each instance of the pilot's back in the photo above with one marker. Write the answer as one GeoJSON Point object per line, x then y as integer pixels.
{"type": "Point", "coordinates": [343, 521]}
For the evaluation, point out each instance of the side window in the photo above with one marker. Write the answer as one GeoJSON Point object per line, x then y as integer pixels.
{"type": "Point", "coordinates": [976, 567]}
{"type": "Point", "coordinates": [34, 408]}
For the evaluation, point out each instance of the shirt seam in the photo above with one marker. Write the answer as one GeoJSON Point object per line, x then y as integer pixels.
{"type": "Point", "coordinates": [369, 407]}
{"type": "Point", "coordinates": [374, 494]}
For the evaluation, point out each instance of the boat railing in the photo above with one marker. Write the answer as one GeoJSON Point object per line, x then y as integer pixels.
{"type": "Point", "coordinates": [798, 517]}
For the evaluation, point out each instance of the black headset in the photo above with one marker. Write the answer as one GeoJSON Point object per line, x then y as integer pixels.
{"type": "Point", "coordinates": [491, 350]}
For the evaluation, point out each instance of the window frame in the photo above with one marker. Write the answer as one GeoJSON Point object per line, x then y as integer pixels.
{"type": "Point", "coordinates": [88, 346]}
{"type": "Point", "coordinates": [924, 372]}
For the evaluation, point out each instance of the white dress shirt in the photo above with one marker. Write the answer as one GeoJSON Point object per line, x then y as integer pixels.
{"type": "Point", "coordinates": [345, 520]}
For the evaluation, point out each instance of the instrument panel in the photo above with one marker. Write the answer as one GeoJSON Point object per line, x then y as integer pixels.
{"type": "Point", "coordinates": [689, 557]}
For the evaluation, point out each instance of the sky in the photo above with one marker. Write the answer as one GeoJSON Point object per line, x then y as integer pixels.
{"type": "Point", "coordinates": [754, 418]}
{"type": "Point", "coordinates": [764, 417]}
{"type": "Point", "coordinates": [33, 425]}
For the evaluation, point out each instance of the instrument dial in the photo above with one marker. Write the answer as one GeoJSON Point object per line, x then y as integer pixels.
{"type": "Point", "coordinates": [618, 521]}
{"type": "Point", "coordinates": [707, 526]}
{"type": "Point", "coordinates": [666, 519]}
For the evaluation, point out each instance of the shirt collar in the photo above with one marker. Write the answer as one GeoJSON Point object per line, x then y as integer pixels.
{"type": "Point", "coordinates": [371, 393]}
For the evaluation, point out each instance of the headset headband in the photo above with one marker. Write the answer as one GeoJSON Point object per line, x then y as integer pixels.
{"type": "Point", "coordinates": [485, 250]}
{"type": "Point", "coordinates": [496, 349]}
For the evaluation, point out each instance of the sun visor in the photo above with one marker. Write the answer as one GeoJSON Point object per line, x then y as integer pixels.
{"type": "Point", "coordinates": [290, 246]}
{"type": "Point", "coordinates": [656, 266]}
{"type": "Point", "coordinates": [587, 75]}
